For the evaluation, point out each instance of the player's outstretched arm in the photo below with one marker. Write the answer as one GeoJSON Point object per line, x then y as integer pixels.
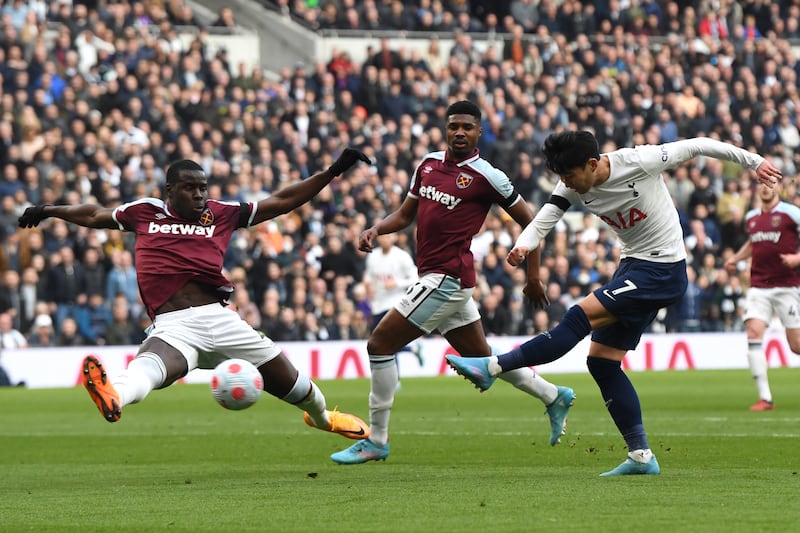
{"type": "Point", "coordinates": [297, 194]}
{"type": "Point", "coordinates": [88, 215]}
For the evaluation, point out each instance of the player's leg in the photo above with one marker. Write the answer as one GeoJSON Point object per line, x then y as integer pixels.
{"type": "Point", "coordinates": [757, 362]}
{"type": "Point", "coordinates": [578, 322]}
{"type": "Point", "coordinates": [622, 401]}
{"type": "Point", "coordinates": [157, 365]}
{"type": "Point", "coordinates": [470, 340]}
{"type": "Point", "coordinates": [759, 312]}
{"type": "Point", "coordinates": [392, 333]}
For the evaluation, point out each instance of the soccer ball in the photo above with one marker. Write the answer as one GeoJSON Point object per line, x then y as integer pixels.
{"type": "Point", "coordinates": [236, 384]}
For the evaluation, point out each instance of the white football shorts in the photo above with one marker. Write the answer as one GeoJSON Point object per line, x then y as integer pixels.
{"type": "Point", "coordinates": [437, 301]}
{"type": "Point", "coordinates": [209, 334]}
{"type": "Point", "coordinates": [783, 302]}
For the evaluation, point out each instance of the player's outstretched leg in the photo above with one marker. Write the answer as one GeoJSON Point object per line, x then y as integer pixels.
{"type": "Point", "coordinates": [100, 389]}
{"type": "Point", "coordinates": [557, 411]}
{"type": "Point", "coordinates": [638, 462]}
{"type": "Point", "coordinates": [344, 424]}
{"type": "Point", "coordinates": [474, 369]}
{"type": "Point", "coordinates": [361, 452]}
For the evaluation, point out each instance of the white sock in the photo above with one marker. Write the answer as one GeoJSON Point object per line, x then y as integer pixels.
{"type": "Point", "coordinates": [381, 397]}
{"type": "Point", "coordinates": [145, 373]}
{"type": "Point", "coordinates": [525, 379]}
{"type": "Point", "coordinates": [313, 404]}
{"type": "Point", "coordinates": [758, 368]}
{"type": "Point", "coordinates": [494, 366]}
{"type": "Point", "coordinates": [641, 456]}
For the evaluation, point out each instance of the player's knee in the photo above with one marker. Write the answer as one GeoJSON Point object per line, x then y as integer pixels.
{"type": "Point", "coordinates": [600, 368]}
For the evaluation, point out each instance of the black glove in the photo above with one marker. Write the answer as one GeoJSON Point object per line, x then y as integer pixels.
{"type": "Point", "coordinates": [32, 216]}
{"type": "Point", "coordinates": [349, 157]}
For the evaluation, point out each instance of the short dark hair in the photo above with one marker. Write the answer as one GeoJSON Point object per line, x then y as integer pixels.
{"type": "Point", "coordinates": [176, 169]}
{"type": "Point", "coordinates": [569, 149]}
{"type": "Point", "coordinates": [464, 107]}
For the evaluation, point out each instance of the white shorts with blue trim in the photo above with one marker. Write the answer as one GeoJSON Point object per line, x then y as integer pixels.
{"type": "Point", "coordinates": [437, 301]}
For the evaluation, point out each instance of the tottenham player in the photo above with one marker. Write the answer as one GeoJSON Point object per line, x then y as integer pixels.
{"type": "Point", "coordinates": [180, 244]}
{"type": "Point", "coordinates": [450, 195]}
{"type": "Point", "coordinates": [625, 189]}
{"type": "Point", "coordinates": [774, 249]}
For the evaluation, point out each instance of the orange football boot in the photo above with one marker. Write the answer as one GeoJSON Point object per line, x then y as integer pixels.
{"type": "Point", "coordinates": [102, 392]}
{"type": "Point", "coordinates": [344, 424]}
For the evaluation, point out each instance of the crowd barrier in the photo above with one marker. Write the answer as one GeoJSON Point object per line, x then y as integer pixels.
{"type": "Point", "coordinates": [61, 367]}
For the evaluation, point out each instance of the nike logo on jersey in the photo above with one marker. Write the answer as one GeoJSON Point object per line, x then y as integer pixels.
{"type": "Point", "coordinates": [605, 291]}
{"type": "Point", "coordinates": [587, 202]}
{"type": "Point", "coordinates": [182, 229]}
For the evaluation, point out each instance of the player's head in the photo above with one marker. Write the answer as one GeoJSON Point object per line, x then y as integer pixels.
{"type": "Point", "coordinates": [574, 156]}
{"type": "Point", "coordinates": [769, 196]}
{"type": "Point", "coordinates": [187, 189]}
{"type": "Point", "coordinates": [463, 128]}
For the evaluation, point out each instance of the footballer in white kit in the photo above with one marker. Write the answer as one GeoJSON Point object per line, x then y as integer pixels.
{"type": "Point", "coordinates": [626, 190]}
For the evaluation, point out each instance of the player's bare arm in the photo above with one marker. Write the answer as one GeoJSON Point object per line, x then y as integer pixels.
{"type": "Point", "coordinates": [88, 215]}
{"type": "Point", "coordinates": [296, 194]}
{"type": "Point", "coordinates": [395, 221]}
{"type": "Point", "coordinates": [741, 254]}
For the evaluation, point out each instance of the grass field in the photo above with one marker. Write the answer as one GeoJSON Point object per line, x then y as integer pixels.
{"type": "Point", "coordinates": [460, 461]}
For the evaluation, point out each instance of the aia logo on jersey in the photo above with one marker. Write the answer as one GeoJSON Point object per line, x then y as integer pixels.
{"type": "Point", "coordinates": [775, 221]}
{"type": "Point", "coordinates": [464, 180]}
{"type": "Point", "coordinates": [206, 218]}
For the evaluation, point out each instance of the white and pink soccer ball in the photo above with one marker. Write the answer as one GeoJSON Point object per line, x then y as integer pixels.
{"type": "Point", "coordinates": [236, 384]}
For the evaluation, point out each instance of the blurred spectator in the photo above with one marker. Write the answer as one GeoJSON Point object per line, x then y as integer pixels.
{"type": "Point", "coordinates": [42, 333]}
{"type": "Point", "coordinates": [68, 334]}
{"type": "Point", "coordinates": [66, 284]}
{"type": "Point", "coordinates": [10, 337]}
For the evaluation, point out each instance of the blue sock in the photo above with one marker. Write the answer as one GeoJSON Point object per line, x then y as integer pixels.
{"type": "Point", "coordinates": [621, 400]}
{"type": "Point", "coordinates": [549, 345]}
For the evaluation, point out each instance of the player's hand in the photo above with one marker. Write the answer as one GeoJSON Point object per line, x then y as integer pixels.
{"type": "Point", "coordinates": [32, 216]}
{"type": "Point", "coordinates": [366, 241]}
{"type": "Point", "coordinates": [790, 260]}
{"type": "Point", "coordinates": [534, 291]}
{"type": "Point", "coordinates": [730, 266]}
{"type": "Point", "coordinates": [768, 174]}
{"type": "Point", "coordinates": [349, 157]}
{"type": "Point", "coordinates": [517, 256]}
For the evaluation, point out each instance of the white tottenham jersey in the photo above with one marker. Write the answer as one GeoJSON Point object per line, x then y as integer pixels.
{"type": "Point", "coordinates": [396, 265]}
{"type": "Point", "coordinates": [634, 200]}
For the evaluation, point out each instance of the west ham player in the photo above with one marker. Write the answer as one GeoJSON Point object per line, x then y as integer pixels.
{"type": "Point", "coordinates": [450, 195]}
{"type": "Point", "coordinates": [625, 189]}
{"type": "Point", "coordinates": [774, 230]}
{"type": "Point", "coordinates": [180, 244]}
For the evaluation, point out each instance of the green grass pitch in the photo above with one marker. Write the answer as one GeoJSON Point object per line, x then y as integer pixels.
{"type": "Point", "coordinates": [460, 461]}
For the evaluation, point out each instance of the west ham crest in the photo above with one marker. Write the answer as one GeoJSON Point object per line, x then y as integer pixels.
{"type": "Point", "coordinates": [464, 180]}
{"type": "Point", "coordinates": [206, 218]}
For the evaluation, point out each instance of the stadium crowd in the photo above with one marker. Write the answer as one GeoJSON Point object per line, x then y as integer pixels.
{"type": "Point", "coordinates": [96, 99]}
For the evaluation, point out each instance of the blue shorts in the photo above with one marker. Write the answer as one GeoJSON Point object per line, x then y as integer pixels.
{"type": "Point", "coordinates": [634, 295]}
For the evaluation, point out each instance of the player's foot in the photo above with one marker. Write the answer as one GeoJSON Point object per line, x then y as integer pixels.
{"type": "Point", "coordinates": [102, 392]}
{"type": "Point", "coordinates": [762, 405]}
{"type": "Point", "coordinates": [344, 424]}
{"type": "Point", "coordinates": [632, 467]}
{"type": "Point", "coordinates": [361, 452]}
{"type": "Point", "coordinates": [474, 369]}
{"type": "Point", "coordinates": [557, 411]}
